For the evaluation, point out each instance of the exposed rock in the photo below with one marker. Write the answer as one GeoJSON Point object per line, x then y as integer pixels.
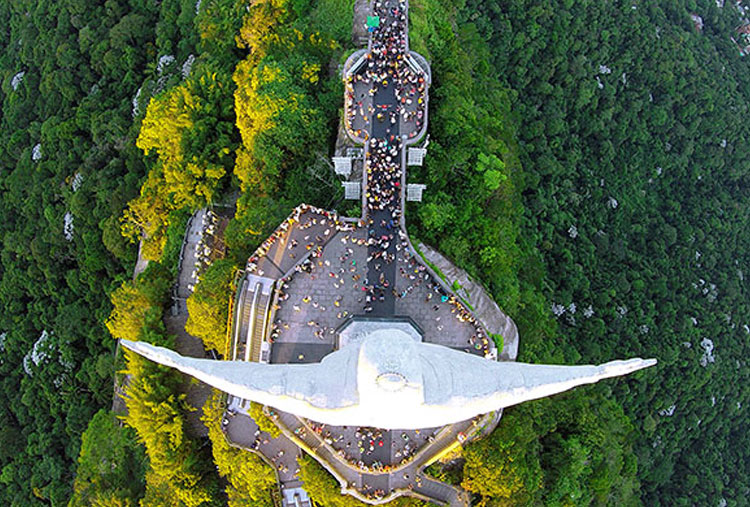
{"type": "Point", "coordinates": [187, 66]}
{"type": "Point", "coordinates": [708, 349]}
{"type": "Point", "coordinates": [485, 309]}
{"type": "Point", "coordinates": [164, 62]}
{"type": "Point", "coordinates": [68, 226]}
{"type": "Point", "coordinates": [667, 412]}
{"type": "Point", "coordinates": [137, 102]}
{"type": "Point", "coordinates": [697, 21]}
{"type": "Point", "coordinates": [17, 80]}
{"type": "Point", "coordinates": [39, 353]}
{"type": "Point", "coordinates": [558, 309]}
{"type": "Point", "coordinates": [75, 184]}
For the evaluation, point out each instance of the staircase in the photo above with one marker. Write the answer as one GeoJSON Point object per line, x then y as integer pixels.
{"type": "Point", "coordinates": [259, 325]}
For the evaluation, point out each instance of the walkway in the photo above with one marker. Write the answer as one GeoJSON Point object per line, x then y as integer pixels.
{"type": "Point", "coordinates": [379, 486]}
{"type": "Point", "coordinates": [318, 270]}
{"type": "Point", "coordinates": [280, 453]}
{"type": "Point", "coordinates": [191, 255]}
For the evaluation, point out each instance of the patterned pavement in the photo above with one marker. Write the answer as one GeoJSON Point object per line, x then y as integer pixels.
{"type": "Point", "coordinates": [328, 272]}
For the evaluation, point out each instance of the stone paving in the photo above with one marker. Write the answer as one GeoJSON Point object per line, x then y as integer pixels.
{"type": "Point", "coordinates": [359, 32]}
{"type": "Point", "coordinates": [419, 296]}
{"type": "Point", "coordinates": [329, 272]}
{"type": "Point", "coordinates": [174, 320]}
{"type": "Point", "coordinates": [320, 297]}
{"type": "Point", "coordinates": [306, 230]}
{"type": "Point", "coordinates": [280, 452]}
{"type": "Point", "coordinates": [387, 483]}
{"type": "Point", "coordinates": [371, 446]}
{"type": "Point", "coordinates": [486, 310]}
{"type": "Point", "coordinates": [364, 113]}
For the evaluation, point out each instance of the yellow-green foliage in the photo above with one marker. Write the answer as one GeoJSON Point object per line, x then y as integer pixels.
{"type": "Point", "coordinates": [263, 421]}
{"type": "Point", "coordinates": [571, 450]}
{"type": "Point", "coordinates": [208, 305]}
{"type": "Point", "coordinates": [251, 480]}
{"type": "Point", "coordinates": [130, 306]}
{"type": "Point", "coordinates": [176, 180]}
{"type": "Point", "coordinates": [324, 490]}
{"type": "Point", "coordinates": [168, 119]}
{"type": "Point", "coordinates": [137, 304]}
{"type": "Point", "coordinates": [276, 110]}
{"type": "Point", "coordinates": [256, 113]}
{"type": "Point", "coordinates": [110, 465]}
{"type": "Point", "coordinates": [322, 486]}
{"type": "Point", "coordinates": [256, 32]}
{"type": "Point", "coordinates": [177, 475]}
{"type": "Point", "coordinates": [505, 465]}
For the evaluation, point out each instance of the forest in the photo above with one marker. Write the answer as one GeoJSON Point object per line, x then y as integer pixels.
{"type": "Point", "coordinates": [634, 149]}
{"type": "Point", "coordinates": [588, 163]}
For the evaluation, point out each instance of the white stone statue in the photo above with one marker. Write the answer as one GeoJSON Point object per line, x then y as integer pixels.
{"type": "Point", "coordinates": [387, 380]}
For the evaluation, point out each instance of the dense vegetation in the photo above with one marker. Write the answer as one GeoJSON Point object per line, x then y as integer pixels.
{"type": "Point", "coordinates": [208, 306]}
{"type": "Point", "coordinates": [634, 145]}
{"type": "Point", "coordinates": [588, 163]}
{"type": "Point", "coordinates": [189, 135]}
{"type": "Point", "coordinates": [251, 480]}
{"type": "Point", "coordinates": [69, 164]}
{"type": "Point", "coordinates": [111, 464]}
{"type": "Point", "coordinates": [574, 448]}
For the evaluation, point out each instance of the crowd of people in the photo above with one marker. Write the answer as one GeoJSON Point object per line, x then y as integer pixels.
{"type": "Point", "coordinates": [263, 444]}
{"type": "Point", "coordinates": [385, 65]}
{"type": "Point", "coordinates": [342, 277]}
{"type": "Point", "coordinates": [351, 284]}
{"type": "Point", "coordinates": [414, 274]}
{"type": "Point", "coordinates": [302, 217]}
{"type": "Point", "coordinates": [366, 442]}
{"type": "Point", "coordinates": [383, 162]}
{"type": "Point", "coordinates": [208, 247]}
{"type": "Point", "coordinates": [387, 61]}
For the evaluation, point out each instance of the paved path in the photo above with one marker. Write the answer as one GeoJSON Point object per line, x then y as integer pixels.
{"type": "Point", "coordinates": [381, 274]}
{"type": "Point", "coordinates": [176, 318]}
{"type": "Point", "coordinates": [400, 480]}
{"type": "Point", "coordinates": [359, 32]}
{"type": "Point", "coordinates": [326, 272]}
{"type": "Point", "coordinates": [189, 255]}
{"type": "Point", "coordinates": [382, 120]}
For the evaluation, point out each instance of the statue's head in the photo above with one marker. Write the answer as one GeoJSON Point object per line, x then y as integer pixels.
{"type": "Point", "coordinates": [389, 369]}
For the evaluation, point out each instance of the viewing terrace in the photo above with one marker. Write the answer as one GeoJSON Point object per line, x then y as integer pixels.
{"type": "Point", "coordinates": [319, 274]}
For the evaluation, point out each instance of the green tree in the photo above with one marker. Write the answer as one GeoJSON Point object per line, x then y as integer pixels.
{"type": "Point", "coordinates": [111, 465]}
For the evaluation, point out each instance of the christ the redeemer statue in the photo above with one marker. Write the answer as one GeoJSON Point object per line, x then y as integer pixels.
{"type": "Point", "coordinates": [389, 381]}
